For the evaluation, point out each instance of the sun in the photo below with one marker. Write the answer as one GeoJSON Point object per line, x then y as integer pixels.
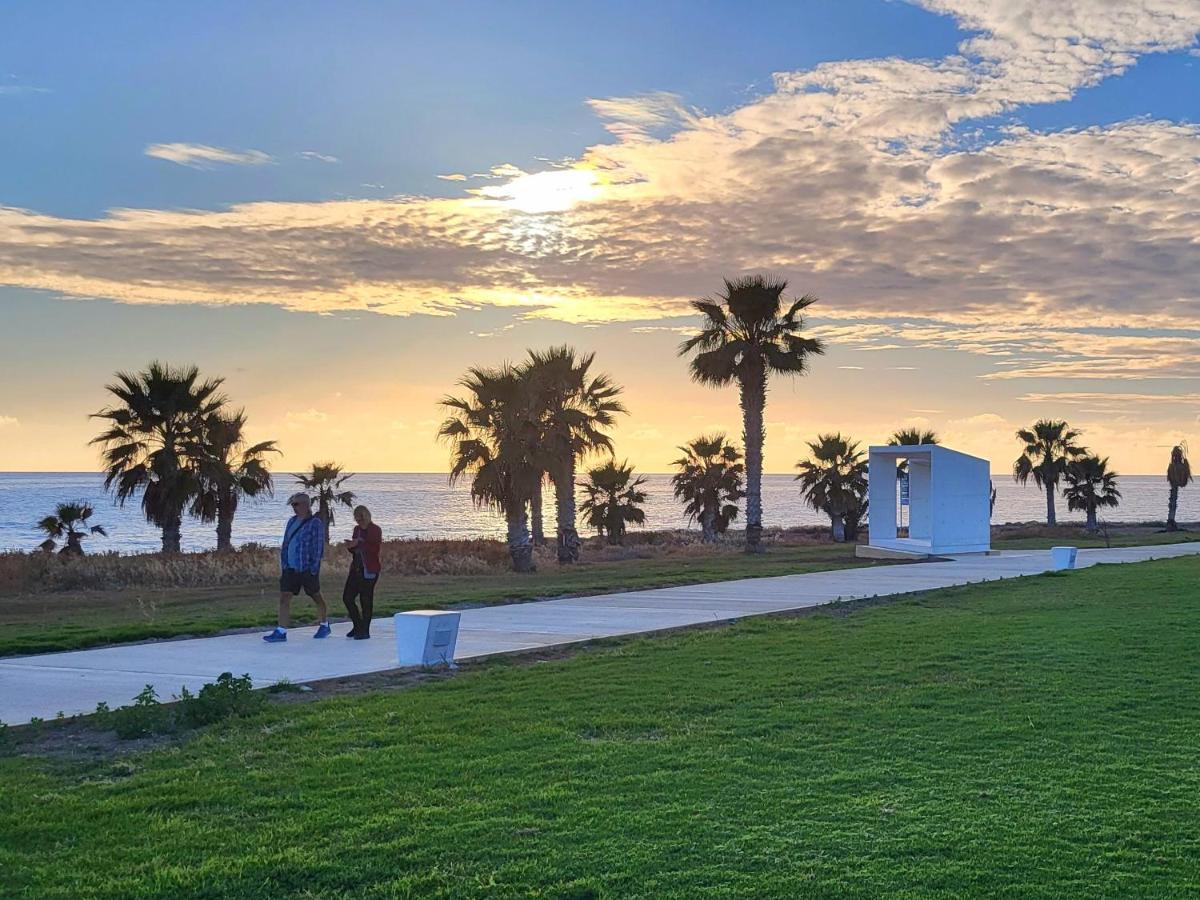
{"type": "Point", "coordinates": [544, 192]}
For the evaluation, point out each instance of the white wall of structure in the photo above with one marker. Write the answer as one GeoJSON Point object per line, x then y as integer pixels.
{"type": "Point", "coordinates": [949, 500]}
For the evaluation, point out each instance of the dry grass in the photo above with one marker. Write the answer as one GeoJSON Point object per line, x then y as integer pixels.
{"type": "Point", "coordinates": [26, 573]}
{"type": "Point", "coordinates": [254, 564]}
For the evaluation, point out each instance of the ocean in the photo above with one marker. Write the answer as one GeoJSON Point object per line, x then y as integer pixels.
{"type": "Point", "coordinates": [424, 506]}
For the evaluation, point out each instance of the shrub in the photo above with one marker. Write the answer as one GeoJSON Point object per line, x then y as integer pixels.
{"type": "Point", "coordinates": [145, 716]}
{"type": "Point", "coordinates": [223, 699]}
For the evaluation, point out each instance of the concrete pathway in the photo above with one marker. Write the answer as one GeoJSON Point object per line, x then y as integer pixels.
{"type": "Point", "coordinates": [74, 682]}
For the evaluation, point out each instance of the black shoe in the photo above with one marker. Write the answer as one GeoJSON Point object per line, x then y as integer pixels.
{"type": "Point", "coordinates": [352, 633]}
{"type": "Point", "coordinates": [363, 636]}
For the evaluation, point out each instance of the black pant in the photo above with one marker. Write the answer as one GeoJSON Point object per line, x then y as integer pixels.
{"type": "Point", "coordinates": [359, 586]}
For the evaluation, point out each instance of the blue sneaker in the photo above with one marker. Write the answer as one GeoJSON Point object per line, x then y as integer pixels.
{"type": "Point", "coordinates": [323, 630]}
{"type": "Point", "coordinates": [278, 636]}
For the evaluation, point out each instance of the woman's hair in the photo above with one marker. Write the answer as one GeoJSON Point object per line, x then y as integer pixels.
{"type": "Point", "coordinates": [364, 512]}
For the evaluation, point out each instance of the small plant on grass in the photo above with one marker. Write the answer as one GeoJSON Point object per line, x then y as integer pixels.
{"type": "Point", "coordinates": [103, 715]}
{"type": "Point", "coordinates": [225, 698]}
{"type": "Point", "coordinates": [145, 716]}
{"type": "Point", "coordinates": [6, 741]}
{"type": "Point", "coordinates": [283, 686]}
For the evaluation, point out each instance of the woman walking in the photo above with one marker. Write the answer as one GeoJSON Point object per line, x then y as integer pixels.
{"type": "Point", "coordinates": [364, 546]}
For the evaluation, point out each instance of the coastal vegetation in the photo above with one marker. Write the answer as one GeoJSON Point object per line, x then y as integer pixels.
{"type": "Point", "coordinates": [709, 482]}
{"type": "Point", "coordinates": [1021, 738]}
{"type": "Point", "coordinates": [574, 409]}
{"type": "Point", "coordinates": [517, 425]}
{"type": "Point", "coordinates": [153, 441]}
{"type": "Point", "coordinates": [326, 480]}
{"type": "Point", "coordinates": [228, 471]}
{"type": "Point", "coordinates": [1090, 486]}
{"type": "Point", "coordinates": [493, 431]}
{"type": "Point", "coordinates": [1179, 475]}
{"type": "Point", "coordinates": [173, 442]}
{"type": "Point", "coordinates": [747, 334]}
{"type": "Point", "coordinates": [833, 481]}
{"type": "Point", "coordinates": [613, 499]}
{"type": "Point", "coordinates": [69, 524]}
{"type": "Point", "coordinates": [1049, 447]}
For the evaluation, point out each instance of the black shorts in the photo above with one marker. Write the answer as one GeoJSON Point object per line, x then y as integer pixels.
{"type": "Point", "coordinates": [293, 582]}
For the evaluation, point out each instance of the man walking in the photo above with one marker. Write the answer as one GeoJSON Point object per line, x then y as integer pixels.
{"type": "Point", "coordinates": [300, 561]}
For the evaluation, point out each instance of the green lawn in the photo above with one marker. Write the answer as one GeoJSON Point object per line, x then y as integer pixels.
{"type": "Point", "coordinates": [1125, 536]}
{"type": "Point", "coordinates": [38, 622]}
{"type": "Point", "coordinates": [1034, 738]}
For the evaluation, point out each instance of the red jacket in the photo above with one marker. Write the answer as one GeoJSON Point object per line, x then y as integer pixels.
{"type": "Point", "coordinates": [372, 541]}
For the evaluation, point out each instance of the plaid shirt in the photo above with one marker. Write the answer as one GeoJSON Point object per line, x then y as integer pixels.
{"type": "Point", "coordinates": [304, 551]}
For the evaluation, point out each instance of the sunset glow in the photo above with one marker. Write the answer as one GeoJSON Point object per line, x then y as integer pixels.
{"type": "Point", "coordinates": [998, 207]}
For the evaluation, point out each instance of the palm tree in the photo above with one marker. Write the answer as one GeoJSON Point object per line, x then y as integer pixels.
{"type": "Point", "coordinates": [709, 481]}
{"type": "Point", "coordinates": [1049, 446]}
{"type": "Point", "coordinates": [326, 479]}
{"type": "Point", "coordinates": [834, 481]}
{"type": "Point", "coordinates": [70, 521]}
{"type": "Point", "coordinates": [1090, 485]}
{"type": "Point", "coordinates": [229, 470]}
{"type": "Point", "coordinates": [537, 527]}
{"type": "Point", "coordinates": [152, 432]}
{"type": "Point", "coordinates": [614, 499]}
{"type": "Point", "coordinates": [495, 433]}
{"type": "Point", "coordinates": [1179, 475]}
{"type": "Point", "coordinates": [910, 437]}
{"type": "Point", "coordinates": [746, 336]}
{"type": "Point", "coordinates": [576, 409]}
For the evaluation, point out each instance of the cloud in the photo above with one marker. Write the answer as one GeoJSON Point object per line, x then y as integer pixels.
{"type": "Point", "coordinates": [882, 185]}
{"type": "Point", "coordinates": [317, 157]}
{"type": "Point", "coordinates": [203, 156]}
{"type": "Point", "coordinates": [1094, 397]}
{"type": "Point", "coordinates": [306, 417]}
{"type": "Point", "coordinates": [454, 176]}
{"type": "Point", "coordinates": [14, 90]}
{"type": "Point", "coordinates": [636, 118]}
{"type": "Point", "coordinates": [9, 422]}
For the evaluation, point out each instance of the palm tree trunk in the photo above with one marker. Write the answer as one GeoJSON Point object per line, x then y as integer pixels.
{"type": "Point", "coordinates": [708, 525]}
{"type": "Point", "coordinates": [325, 514]}
{"type": "Point", "coordinates": [616, 527]}
{"type": "Point", "coordinates": [1051, 518]}
{"type": "Point", "coordinates": [837, 525]}
{"type": "Point", "coordinates": [1173, 508]}
{"type": "Point", "coordinates": [535, 516]}
{"type": "Point", "coordinates": [172, 532]}
{"type": "Point", "coordinates": [225, 522]}
{"type": "Point", "coordinates": [753, 389]}
{"type": "Point", "coordinates": [520, 547]}
{"type": "Point", "coordinates": [564, 501]}
{"type": "Point", "coordinates": [1091, 519]}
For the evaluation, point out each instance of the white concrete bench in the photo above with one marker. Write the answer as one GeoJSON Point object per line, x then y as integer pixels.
{"type": "Point", "coordinates": [426, 637]}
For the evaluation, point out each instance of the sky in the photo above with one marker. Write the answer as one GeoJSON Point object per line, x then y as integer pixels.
{"type": "Point", "coordinates": [339, 207]}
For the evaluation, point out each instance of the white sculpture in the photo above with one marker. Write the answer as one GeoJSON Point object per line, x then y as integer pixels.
{"type": "Point", "coordinates": [949, 502]}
